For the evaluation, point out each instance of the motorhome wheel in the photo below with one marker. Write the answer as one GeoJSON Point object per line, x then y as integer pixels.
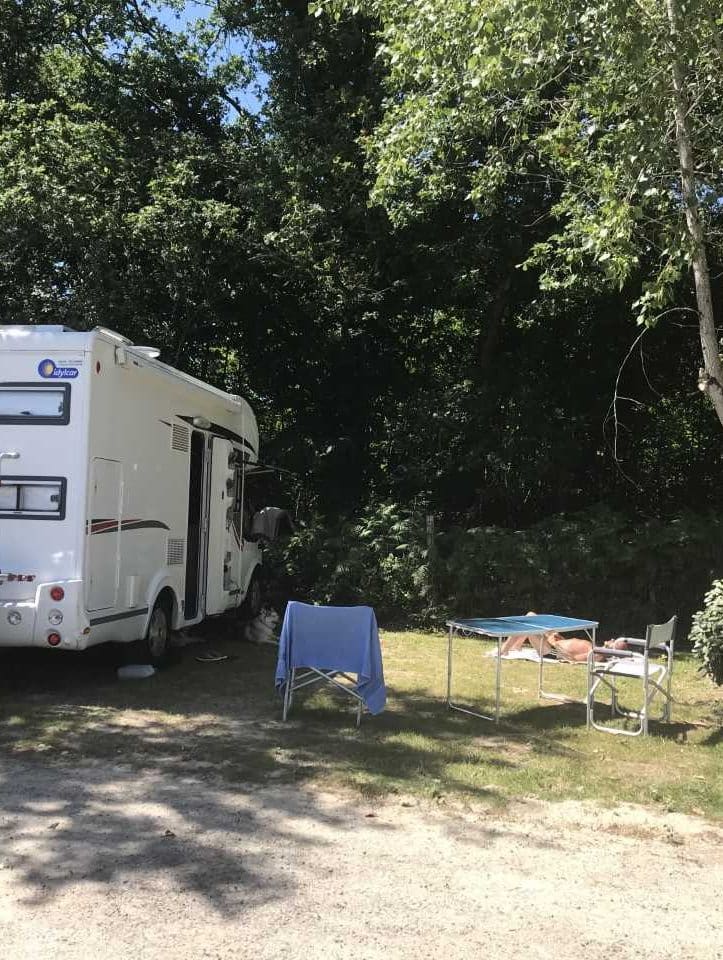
{"type": "Point", "coordinates": [156, 641]}
{"type": "Point", "coordinates": [251, 606]}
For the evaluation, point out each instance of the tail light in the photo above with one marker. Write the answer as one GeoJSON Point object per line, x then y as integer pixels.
{"type": "Point", "coordinates": [57, 594]}
{"type": "Point", "coordinates": [53, 639]}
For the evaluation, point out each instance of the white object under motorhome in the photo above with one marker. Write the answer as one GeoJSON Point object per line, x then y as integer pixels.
{"type": "Point", "coordinates": [121, 491]}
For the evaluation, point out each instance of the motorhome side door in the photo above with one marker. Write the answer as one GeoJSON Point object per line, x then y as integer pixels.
{"type": "Point", "coordinates": [222, 586]}
{"type": "Point", "coordinates": [103, 539]}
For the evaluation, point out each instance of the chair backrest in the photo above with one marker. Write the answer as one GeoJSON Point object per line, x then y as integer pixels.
{"type": "Point", "coordinates": [661, 635]}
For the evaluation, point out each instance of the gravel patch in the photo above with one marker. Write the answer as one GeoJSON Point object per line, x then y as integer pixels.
{"type": "Point", "coordinates": [101, 861]}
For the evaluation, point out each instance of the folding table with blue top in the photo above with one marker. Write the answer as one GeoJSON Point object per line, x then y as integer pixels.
{"type": "Point", "coordinates": [331, 644]}
{"type": "Point", "coordinates": [501, 629]}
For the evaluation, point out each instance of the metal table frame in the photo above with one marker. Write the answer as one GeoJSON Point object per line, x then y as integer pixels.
{"type": "Point", "coordinates": [527, 627]}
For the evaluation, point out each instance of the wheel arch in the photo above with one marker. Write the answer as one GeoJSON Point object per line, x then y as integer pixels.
{"type": "Point", "coordinates": [164, 592]}
{"type": "Point", "coordinates": [254, 571]}
{"type": "Point", "coordinates": [167, 599]}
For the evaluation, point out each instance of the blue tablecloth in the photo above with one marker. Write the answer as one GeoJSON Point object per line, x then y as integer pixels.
{"type": "Point", "coordinates": [334, 638]}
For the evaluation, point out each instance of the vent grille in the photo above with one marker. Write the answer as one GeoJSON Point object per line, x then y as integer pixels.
{"type": "Point", "coordinates": [175, 551]}
{"type": "Point", "coordinates": [179, 438]}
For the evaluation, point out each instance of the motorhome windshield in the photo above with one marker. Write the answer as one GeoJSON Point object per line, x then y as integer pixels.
{"type": "Point", "coordinates": [34, 498]}
{"type": "Point", "coordinates": [35, 403]}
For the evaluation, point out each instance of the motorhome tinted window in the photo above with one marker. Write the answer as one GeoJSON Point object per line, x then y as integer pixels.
{"type": "Point", "coordinates": [32, 497]}
{"type": "Point", "coordinates": [34, 404]}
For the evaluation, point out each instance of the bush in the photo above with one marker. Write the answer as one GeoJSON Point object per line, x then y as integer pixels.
{"type": "Point", "coordinates": [596, 564]}
{"type": "Point", "coordinates": [706, 634]}
{"type": "Point", "coordinates": [380, 559]}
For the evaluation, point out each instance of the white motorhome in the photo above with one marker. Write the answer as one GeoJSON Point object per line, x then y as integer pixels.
{"type": "Point", "coordinates": [122, 482]}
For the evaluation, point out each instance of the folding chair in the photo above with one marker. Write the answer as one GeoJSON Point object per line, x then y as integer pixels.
{"type": "Point", "coordinates": [655, 676]}
{"type": "Point", "coordinates": [329, 645]}
{"type": "Point", "coordinates": [312, 675]}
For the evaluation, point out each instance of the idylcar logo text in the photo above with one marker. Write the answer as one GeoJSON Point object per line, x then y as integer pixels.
{"type": "Point", "coordinates": [50, 371]}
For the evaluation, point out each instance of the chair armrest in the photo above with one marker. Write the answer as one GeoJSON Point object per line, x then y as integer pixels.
{"type": "Point", "coordinates": [613, 653]}
{"type": "Point", "coordinates": [635, 642]}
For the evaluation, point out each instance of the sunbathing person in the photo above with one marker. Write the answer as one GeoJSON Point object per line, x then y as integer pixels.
{"type": "Point", "coordinates": [573, 649]}
{"type": "Point", "coordinates": [538, 641]}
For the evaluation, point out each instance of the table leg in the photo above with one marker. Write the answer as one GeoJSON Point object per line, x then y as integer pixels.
{"type": "Point", "coordinates": [497, 679]}
{"type": "Point", "coordinates": [449, 668]}
{"type": "Point", "coordinates": [456, 706]}
{"type": "Point", "coordinates": [539, 675]}
{"type": "Point", "coordinates": [559, 698]}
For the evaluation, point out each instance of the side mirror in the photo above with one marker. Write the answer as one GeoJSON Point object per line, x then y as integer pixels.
{"type": "Point", "coordinates": [269, 524]}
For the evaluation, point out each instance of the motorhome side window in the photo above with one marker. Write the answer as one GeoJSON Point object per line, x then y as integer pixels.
{"type": "Point", "coordinates": [34, 498]}
{"type": "Point", "coordinates": [35, 403]}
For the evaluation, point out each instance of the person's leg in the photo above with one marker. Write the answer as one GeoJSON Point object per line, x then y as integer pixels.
{"type": "Point", "coordinates": [541, 643]}
{"type": "Point", "coordinates": [517, 643]}
{"type": "Point", "coordinates": [538, 642]}
{"type": "Point", "coordinates": [512, 643]}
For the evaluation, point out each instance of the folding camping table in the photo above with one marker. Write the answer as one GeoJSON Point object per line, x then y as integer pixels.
{"type": "Point", "coordinates": [501, 629]}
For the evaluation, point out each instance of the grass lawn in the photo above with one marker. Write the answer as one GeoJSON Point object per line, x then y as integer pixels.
{"type": "Point", "coordinates": [223, 719]}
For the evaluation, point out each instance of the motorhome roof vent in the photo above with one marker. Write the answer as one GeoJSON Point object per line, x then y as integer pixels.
{"type": "Point", "coordinates": [175, 551]}
{"type": "Point", "coordinates": [112, 335]}
{"type": "Point", "coordinates": [152, 353]}
{"type": "Point", "coordinates": [179, 438]}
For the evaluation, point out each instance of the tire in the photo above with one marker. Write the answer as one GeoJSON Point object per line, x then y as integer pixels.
{"type": "Point", "coordinates": [254, 600]}
{"type": "Point", "coordinates": [158, 635]}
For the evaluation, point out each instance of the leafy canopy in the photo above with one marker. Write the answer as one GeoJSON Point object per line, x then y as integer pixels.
{"type": "Point", "coordinates": [576, 94]}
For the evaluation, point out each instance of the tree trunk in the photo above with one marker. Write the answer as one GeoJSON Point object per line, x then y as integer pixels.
{"type": "Point", "coordinates": [711, 376]}
{"type": "Point", "coordinates": [490, 334]}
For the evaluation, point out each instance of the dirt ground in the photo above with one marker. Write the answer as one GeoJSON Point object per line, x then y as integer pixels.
{"type": "Point", "coordinates": [103, 861]}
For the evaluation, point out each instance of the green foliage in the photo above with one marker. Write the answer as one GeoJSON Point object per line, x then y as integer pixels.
{"type": "Point", "coordinates": [119, 198]}
{"type": "Point", "coordinates": [596, 564]}
{"type": "Point", "coordinates": [348, 259]}
{"type": "Point", "coordinates": [380, 559]}
{"type": "Point", "coordinates": [487, 96]}
{"type": "Point", "coordinates": [515, 134]}
{"type": "Point", "coordinates": [706, 634]}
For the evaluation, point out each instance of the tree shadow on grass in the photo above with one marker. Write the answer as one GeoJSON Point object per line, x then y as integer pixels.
{"type": "Point", "coordinates": [223, 720]}
{"type": "Point", "coordinates": [715, 738]}
{"type": "Point", "coordinates": [219, 725]}
{"type": "Point", "coordinates": [546, 719]}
